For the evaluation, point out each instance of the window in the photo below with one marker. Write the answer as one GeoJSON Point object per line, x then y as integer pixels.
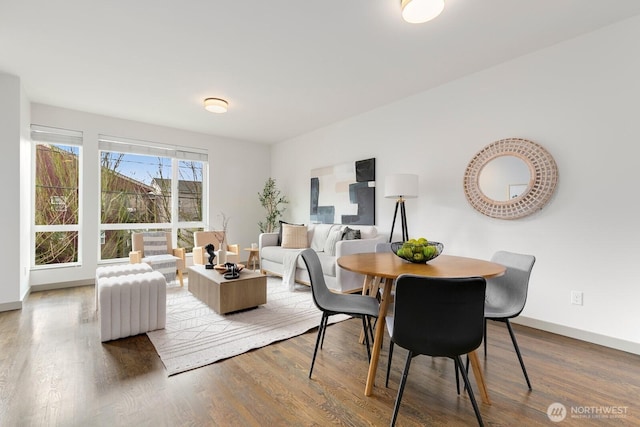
{"type": "Point", "coordinates": [147, 186]}
{"type": "Point", "coordinates": [56, 196]}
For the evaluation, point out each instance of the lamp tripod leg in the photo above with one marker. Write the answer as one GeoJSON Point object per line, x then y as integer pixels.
{"type": "Point", "coordinates": [393, 223]}
{"type": "Point", "coordinates": [405, 230]}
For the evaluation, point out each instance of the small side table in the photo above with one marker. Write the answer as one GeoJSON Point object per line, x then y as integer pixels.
{"type": "Point", "coordinates": [253, 257]}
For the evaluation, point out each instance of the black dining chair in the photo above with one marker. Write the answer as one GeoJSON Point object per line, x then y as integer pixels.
{"type": "Point", "coordinates": [331, 303]}
{"type": "Point", "coordinates": [438, 317]}
{"type": "Point", "coordinates": [507, 295]}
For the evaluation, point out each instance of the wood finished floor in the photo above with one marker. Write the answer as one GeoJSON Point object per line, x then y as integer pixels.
{"type": "Point", "coordinates": [54, 371]}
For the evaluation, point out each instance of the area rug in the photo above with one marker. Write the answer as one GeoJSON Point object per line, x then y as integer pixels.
{"type": "Point", "coordinates": [196, 336]}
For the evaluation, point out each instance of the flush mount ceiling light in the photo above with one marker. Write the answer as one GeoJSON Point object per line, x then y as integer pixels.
{"type": "Point", "coordinates": [216, 105]}
{"type": "Point", "coordinates": [419, 11]}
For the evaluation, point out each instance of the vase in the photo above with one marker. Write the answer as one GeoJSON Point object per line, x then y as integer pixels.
{"type": "Point", "coordinates": [222, 254]}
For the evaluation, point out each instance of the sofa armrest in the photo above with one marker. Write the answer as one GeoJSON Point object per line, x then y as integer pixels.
{"type": "Point", "coordinates": [198, 255]}
{"type": "Point", "coordinates": [135, 257]}
{"type": "Point", "coordinates": [267, 239]}
{"type": "Point", "coordinates": [348, 247]}
{"type": "Point", "coordinates": [348, 280]}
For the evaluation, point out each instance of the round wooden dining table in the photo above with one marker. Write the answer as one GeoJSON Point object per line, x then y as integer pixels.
{"type": "Point", "coordinates": [376, 266]}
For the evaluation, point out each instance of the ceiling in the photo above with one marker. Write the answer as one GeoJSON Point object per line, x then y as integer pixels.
{"type": "Point", "coordinates": [286, 67]}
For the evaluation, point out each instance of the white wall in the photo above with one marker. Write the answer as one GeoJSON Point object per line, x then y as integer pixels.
{"type": "Point", "coordinates": [10, 98]}
{"type": "Point", "coordinates": [579, 100]}
{"type": "Point", "coordinates": [25, 194]}
{"type": "Point", "coordinates": [237, 171]}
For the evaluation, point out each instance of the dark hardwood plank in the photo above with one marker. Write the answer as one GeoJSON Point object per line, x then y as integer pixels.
{"type": "Point", "coordinates": [54, 371]}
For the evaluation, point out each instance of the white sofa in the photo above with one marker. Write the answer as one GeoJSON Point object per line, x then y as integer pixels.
{"type": "Point", "coordinates": [273, 257]}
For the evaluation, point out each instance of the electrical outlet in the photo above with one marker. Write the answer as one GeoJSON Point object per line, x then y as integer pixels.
{"type": "Point", "coordinates": [576, 297]}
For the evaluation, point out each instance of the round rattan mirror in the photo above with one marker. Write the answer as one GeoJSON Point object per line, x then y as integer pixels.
{"type": "Point", "coordinates": [522, 198]}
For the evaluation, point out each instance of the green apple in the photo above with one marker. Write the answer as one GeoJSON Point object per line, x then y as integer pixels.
{"type": "Point", "coordinates": [429, 251]}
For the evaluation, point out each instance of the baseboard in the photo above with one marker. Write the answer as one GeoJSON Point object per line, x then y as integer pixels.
{"type": "Point", "coordinates": [62, 285]}
{"type": "Point", "coordinates": [592, 337]}
{"type": "Point", "coordinates": [8, 306]}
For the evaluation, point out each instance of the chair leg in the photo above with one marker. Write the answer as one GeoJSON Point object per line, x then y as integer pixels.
{"type": "Point", "coordinates": [484, 338]}
{"type": "Point", "coordinates": [366, 337]}
{"type": "Point", "coordinates": [405, 373]}
{"type": "Point", "coordinates": [180, 277]}
{"type": "Point", "coordinates": [458, 379]}
{"type": "Point", "coordinates": [515, 345]}
{"type": "Point", "coordinates": [372, 327]}
{"type": "Point", "coordinates": [386, 382]}
{"type": "Point", "coordinates": [325, 318]}
{"type": "Point", "coordinates": [469, 390]}
{"type": "Point", "coordinates": [466, 369]}
{"type": "Point", "coordinates": [318, 338]}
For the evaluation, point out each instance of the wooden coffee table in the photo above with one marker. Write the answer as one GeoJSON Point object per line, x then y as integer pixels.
{"type": "Point", "coordinates": [224, 295]}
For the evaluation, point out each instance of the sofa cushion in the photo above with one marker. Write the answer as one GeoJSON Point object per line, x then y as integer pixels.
{"type": "Point", "coordinates": [330, 244]}
{"type": "Point", "coordinates": [275, 253]}
{"type": "Point", "coordinates": [327, 262]}
{"type": "Point", "coordinates": [294, 236]}
{"type": "Point", "coordinates": [280, 231]}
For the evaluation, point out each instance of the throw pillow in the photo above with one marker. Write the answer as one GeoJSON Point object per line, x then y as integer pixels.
{"type": "Point", "coordinates": [330, 244]}
{"type": "Point", "coordinates": [294, 236]}
{"type": "Point", "coordinates": [280, 231]}
{"type": "Point", "coordinates": [154, 243]}
{"type": "Point", "coordinates": [351, 234]}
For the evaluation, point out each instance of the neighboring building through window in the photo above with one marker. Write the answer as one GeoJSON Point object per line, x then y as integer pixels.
{"type": "Point", "coordinates": [138, 182]}
{"type": "Point", "coordinates": [56, 196]}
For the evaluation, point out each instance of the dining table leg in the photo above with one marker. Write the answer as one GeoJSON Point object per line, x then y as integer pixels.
{"type": "Point", "coordinates": [378, 338]}
{"type": "Point", "coordinates": [368, 284]}
{"type": "Point", "coordinates": [477, 373]}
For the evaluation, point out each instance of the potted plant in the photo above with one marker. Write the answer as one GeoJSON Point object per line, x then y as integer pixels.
{"type": "Point", "coordinates": [273, 202]}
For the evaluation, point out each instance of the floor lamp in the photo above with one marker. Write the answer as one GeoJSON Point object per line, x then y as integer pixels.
{"type": "Point", "coordinates": [400, 186]}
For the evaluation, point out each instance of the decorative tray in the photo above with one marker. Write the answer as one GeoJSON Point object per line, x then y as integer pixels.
{"type": "Point", "coordinates": [222, 268]}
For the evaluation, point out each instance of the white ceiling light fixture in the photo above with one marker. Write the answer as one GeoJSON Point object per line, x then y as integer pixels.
{"type": "Point", "coordinates": [419, 11]}
{"type": "Point", "coordinates": [216, 105]}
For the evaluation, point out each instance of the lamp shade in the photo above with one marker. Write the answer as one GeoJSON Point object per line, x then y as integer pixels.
{"type": "Point", "coordinates": [403, 185]}
{"type": "Point", "coordinates": [216, 105]}
{"type": "Point", "coordinates": [419, 11]}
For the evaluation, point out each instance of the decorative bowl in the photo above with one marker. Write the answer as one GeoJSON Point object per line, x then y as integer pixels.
{"type": "Point", "coordinates": [416, 251]}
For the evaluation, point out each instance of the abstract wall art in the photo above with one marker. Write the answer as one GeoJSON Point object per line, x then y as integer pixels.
{"type": "Point", "coordinates": [344, 193]}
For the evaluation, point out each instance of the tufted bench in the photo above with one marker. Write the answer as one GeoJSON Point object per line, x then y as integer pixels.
{"type": "Point", "coordinates": [119, 270]}
{"type": "Point", "coordinates": [131, 304]}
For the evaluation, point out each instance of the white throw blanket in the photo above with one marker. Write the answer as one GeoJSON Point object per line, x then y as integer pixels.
{"type": "Point", "coordinates": [165, 264]}
{"type": "Point", "coordinates": [289, 268]}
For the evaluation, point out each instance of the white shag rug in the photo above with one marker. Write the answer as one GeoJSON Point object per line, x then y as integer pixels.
{"type": "Point", "coordinates": [196, 336]}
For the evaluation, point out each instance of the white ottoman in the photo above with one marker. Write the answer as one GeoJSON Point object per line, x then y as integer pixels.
{"type": "Point", "coordinates": [131, 304]}
{"type": "Point", "coordinates": [119, 270]}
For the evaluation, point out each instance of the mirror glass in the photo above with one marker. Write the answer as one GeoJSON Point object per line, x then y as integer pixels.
{"type": "Point", "coordinates": [504, 178]}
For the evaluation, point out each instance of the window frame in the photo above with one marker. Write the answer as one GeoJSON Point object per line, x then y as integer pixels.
{"type": "Point", "coordinates": [176, 154]}
{"type": "Point", "coordinates": [46, 135]}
